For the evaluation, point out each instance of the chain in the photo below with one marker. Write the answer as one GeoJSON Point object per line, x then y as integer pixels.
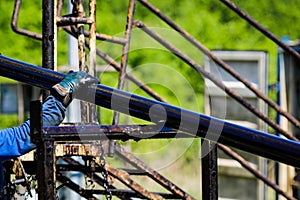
{"type": "Point", "coordinates": [13, 189]}
{"type": "Point", "coordinates": [89, 162]}
{"type": "Point", "coordinates": [104, 173]}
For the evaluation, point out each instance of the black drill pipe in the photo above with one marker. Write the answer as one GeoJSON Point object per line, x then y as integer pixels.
{"type": "Point", "coordinates": [197, 125]}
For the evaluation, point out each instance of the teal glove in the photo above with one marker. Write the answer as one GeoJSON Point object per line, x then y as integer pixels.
{"type": "Point", "coordinates": [66, 90]}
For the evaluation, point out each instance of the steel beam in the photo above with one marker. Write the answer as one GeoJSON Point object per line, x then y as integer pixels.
{"type": "Point", "coordinates": [112, 132]}
{"type": "Point", "coordinates": [194, 124]}
{"type": "Point", "coordinates": [48, 38]}
{"type": "Point", "coordinates": [209, 171]}
{"type": "Point", "coordinates": [44, 155]}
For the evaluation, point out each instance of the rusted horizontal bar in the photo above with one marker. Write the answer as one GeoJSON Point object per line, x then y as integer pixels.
{"type": "Point", "coordinates": [113, 132]}
{"type": "Point", "coordinates": [64, 21]}
{"type": "Point", "coordinates": [81, 168]}
{"type": "Point", "coordinates": [194, 124]}
{"type": "Point", "coordinates": [77, 149]}
{"type": "Point", "coordinates": [99, 36]}
{"type": "Point", "coordinates": [108, 38]}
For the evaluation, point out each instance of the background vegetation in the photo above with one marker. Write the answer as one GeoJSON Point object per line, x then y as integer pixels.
{"type": "Point", "coordinates": [209, 21]}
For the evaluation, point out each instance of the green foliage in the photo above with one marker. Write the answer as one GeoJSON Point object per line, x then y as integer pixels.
{"type": "Point", "coordinates": [8, 121]}
{"type": "Point", "coordinates": [6, 80]}
{"type": "Point", "coordinates": [209, 21]}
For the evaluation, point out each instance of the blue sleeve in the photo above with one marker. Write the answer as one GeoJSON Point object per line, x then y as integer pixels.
{"type": "Point", "coordinates": [16, 141]}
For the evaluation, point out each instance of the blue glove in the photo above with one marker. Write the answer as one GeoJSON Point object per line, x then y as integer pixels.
{"type": "Point", "coordinates": [66, 90]}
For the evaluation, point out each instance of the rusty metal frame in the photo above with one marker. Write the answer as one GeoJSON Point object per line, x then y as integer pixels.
{"type": "Point", "coordinates": [71, 20]}
{"type": "Point", "coordinates": [45, 139]}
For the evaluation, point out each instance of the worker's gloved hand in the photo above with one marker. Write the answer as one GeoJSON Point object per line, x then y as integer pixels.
{"type": "Point", "coordinates": [67, 89]}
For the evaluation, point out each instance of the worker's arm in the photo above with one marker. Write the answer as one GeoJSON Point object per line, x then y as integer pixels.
{"type": "Point", "coordinates": [16, 141]}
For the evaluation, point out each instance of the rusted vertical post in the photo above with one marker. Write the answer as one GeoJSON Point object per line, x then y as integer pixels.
{"type": "Point", "coordinates": [48, 38]}
{"type": "Point", "coordinates": [82, 55]}
{"type": "Point", "coordinates": [87, 109]}
{"type": "Point", "coordinates": [35, 121]}
{"type": "Point", "coordinates": [92, 54]}
{"type": "Point", "coordinates": [45, 149]}
{"type": "Point", "coordinates": [44, 154]}
{"type": "Point", "coordinates": [209, 171]}
{"type": "Point", "coordinates": [124, 59]}
{"type": "Point", "coordinates": [130, 16]}
{"type": "Point", "coordinates": [48, 34]}
{"type": "Point", "coordinates": [81, 50]}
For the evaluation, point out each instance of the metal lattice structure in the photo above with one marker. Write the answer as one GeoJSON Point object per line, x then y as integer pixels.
{"type": "Point", "coordinates": [89, 140]}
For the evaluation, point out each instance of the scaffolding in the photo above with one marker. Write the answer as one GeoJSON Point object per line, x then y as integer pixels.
{"type": "Point", "coordinates": [94, 142]}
